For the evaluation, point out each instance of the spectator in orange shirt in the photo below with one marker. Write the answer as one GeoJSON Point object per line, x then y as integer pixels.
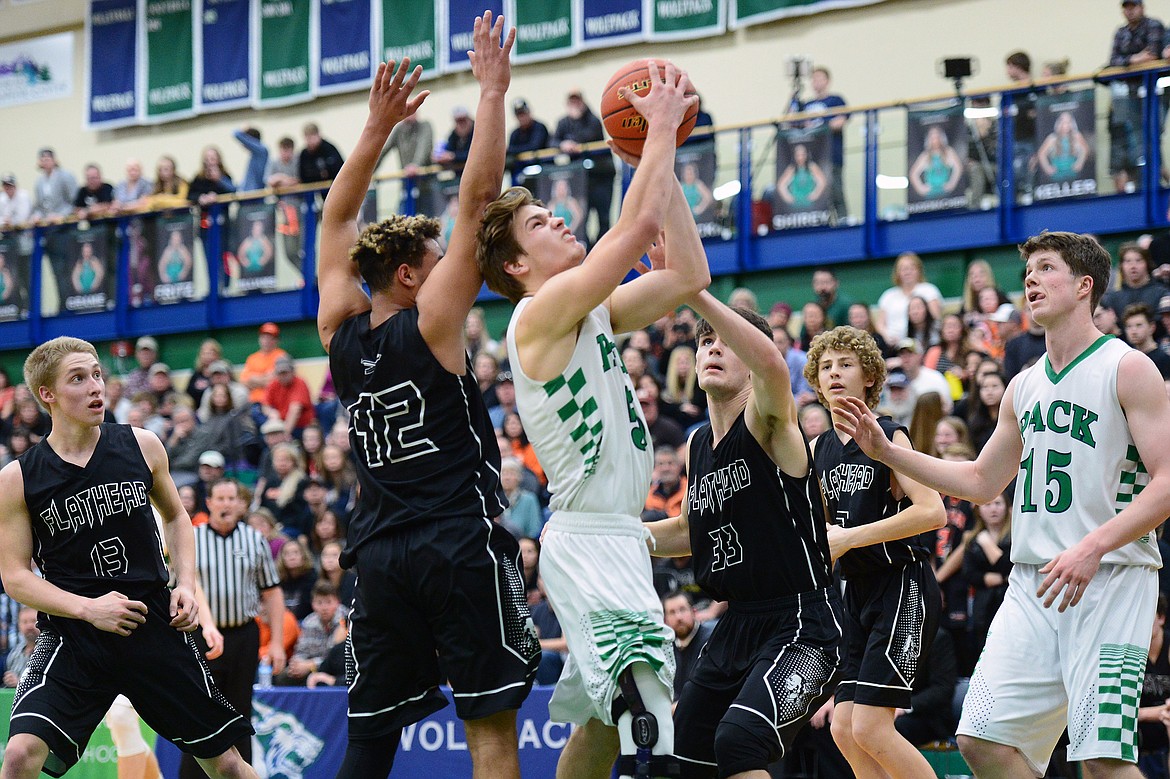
{"type": "Point", "coordinates": [260, 367]}
{"type": "Point", "coordinates": [292, 631]}
{"type": "Point", "coordinates": [287, 398]}
{"type": "Point", "coordinates": [668, 487]}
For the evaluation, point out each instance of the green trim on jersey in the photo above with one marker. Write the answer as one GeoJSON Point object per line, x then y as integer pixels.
{"type": "Point", "coordinates": [1055, 377]}
{"type": "Point", "coordinates": [579, 406]}
{"type": "Point", "coordinates": [1120, 671]}
{"type": "Point", "coordinates": [1134, 478]}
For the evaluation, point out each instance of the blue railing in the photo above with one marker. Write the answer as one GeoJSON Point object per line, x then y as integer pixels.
{"type": "Point", "coordinates": [743, 235]}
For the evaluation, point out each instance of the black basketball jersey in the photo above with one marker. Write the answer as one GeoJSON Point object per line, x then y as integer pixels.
{"type": "Point", "coordinates": [420, 435]}
{"type": "Point", "coordinates": [756, 532]}
{"type": "Point", "coordinates": [93, 527]}
{"type": "Point", "coordinates": [858, 491]}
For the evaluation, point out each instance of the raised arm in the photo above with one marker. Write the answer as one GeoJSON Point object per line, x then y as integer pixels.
{"type": "Point", "coordinates": [671, 537]}
{"type": "Point", "coordinates": [684, 272]}
{"type": "Point", "coordinates": [771, 409]}
{"type": "Point", "coordinates": [567, 298]}
{"type": "Point", "coordinates": [1142, 395]}
{"type": "Point", "coordinates": [979, 481]}
{"type": "Point", "coordinates": [338, 280]}
{"type": "Point", "coordinates": [452, 286]}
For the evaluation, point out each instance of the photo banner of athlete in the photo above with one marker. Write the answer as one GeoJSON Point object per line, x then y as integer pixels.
{"type": "Point", "coordinates": [15, 258]}
{"type": "Point", "coordinates": [694, 164]}
{"type": "Point", "coordinates": [286, 46]}
{"type": "Point", "coordinates": [544, 29]}
{"type": "Point", "coordinates": [84, 263]}
{"type": "Point", "coordinates": [169, 63]}
{"type": "Point", "coordinates": [175, 258]}
{"type": "Point", "coordinates": [804, 168]}
{"type": "Point", "coordinates": [1066, 135]}
{"type": "Point", "coordinates": [111, 65]}
{"type": "Point", "coordinates": [346, 40]}
{"type": "Point", "coordinates": [936, 169]}
{"type": "Point", "coordinates": [225, 56]}
{"type": "Point", "coordinates": [565, 191]}
{"type": "Point", "coordinates": [251, 257]}
{"type": "Point", "coordinates": [408, 30]}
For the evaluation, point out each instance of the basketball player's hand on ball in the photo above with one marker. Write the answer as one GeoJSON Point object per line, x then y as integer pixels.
{"type": "Point", "coordinates": [667, 102]}
{"type": "Point", "coordinates": [115, 613]}
{"type": "Point", "coordinates": [489, 61]}
{"type": "Point", "coordinates": [1070, 571]}
{"type": "Point", "coordinates": [184, 609]}
{"type": "Point", "coordinates": [390, 96]}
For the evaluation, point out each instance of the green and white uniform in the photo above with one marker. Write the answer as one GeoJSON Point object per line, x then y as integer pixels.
{"type": "Point", "coordinates": [592, 441]}
{"type": "Point", "coordinates": [1042, 670]}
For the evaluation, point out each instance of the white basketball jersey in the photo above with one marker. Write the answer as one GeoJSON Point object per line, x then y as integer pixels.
{"type": "Point", "coordinates": [586, 425]}
{"type": "Point", "coordinates": [1079, 466]}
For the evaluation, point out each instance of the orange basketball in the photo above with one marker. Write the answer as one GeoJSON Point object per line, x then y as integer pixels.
{"type": "Point", "coordinates": [625, 125]}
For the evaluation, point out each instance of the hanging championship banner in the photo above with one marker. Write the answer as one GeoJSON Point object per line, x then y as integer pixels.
{"type": "Point", "coordinates": [286, 47]}
{"type": "Point", "coordinates": [224, 64]}
{"type": "Point", "coordinates": [1065, 138]}
{"type": "Point", "coordinates": [169, 63]}
{"type": "Point", "coordinates": [936, 170]}
{"type": "Point", "coordinates": [89, 285]}
{"type": "Point", "coordinates": [610, 23]}
{"type": "Point", "coordinates": [15, 257]}
{"type": "Point", "coordinates": [460, 19]}
{"type": "Point", "coordinates": [694, 165]}
{"type": "Point", "coordinates": [565, 192]}
{"type": "Point", "coordinates": [347, 45]}
{"type": "Point", "coordinates": [111, 66]}
{"type": "Point", "coordinates": [748, 12]}
{"type": "Point", "coordinates": [36, 69]}
{"type": "Point", "coordinates": [409, 30]}
{"type": "Point", "coordinates": [253, 267]}
{"type": "Point", "coordinates": [804, 178]}
{"type": "Point", "coordinates": [544, 29]}
{"type": "Point", "coordinates": [175, 239]}
{"type": "Point", "coordinates": [680, 19]}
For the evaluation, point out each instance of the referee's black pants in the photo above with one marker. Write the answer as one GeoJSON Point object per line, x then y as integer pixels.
{"type": "Point", "coordinates": [234, 673]}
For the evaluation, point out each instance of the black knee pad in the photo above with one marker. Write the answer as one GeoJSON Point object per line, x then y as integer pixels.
{"type": "Point", "coordinates": [741, 747]}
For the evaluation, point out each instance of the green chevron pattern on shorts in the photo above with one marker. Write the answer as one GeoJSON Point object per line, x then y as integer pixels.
{"type": "Point", "coordinates": [1119, 684]}
{"type": "Point", "coordinates": [623, 637]}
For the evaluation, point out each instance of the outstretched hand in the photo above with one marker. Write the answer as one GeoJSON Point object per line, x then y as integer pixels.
{"type": "Point", "coordinates": [390, 96]}
{"type": "Point", "coordinates": [855, 419]}
{"type": "Point", "coordinates": [667, 101]}
{"type": "Point", "coordinates": [490, 60]}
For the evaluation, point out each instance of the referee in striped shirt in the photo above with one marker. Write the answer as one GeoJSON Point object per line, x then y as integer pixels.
{"type": "Point", "coordinates": [239, 577]}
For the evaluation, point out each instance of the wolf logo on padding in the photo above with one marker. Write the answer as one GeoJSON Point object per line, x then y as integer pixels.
{"type": "Point", "coordinates": [287, 746]}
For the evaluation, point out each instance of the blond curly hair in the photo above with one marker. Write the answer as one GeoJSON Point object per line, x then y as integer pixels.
{"type": "Point", "coordinates": [384, 246]}
{"type": "Point", "coordinates": [848, 339]}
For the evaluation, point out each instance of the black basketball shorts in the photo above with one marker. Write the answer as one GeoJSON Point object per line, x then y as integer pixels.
{"type": "Point", "coordinates": [767, 668]}
{"type": "Point", "coordinates": [436, 602]}
{"type": "Point", "coordinates": [890, 622]}
{"type": "Point", "coordinates": [76, 671]}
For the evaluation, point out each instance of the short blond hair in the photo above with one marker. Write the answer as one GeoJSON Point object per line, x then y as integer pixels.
{"type": "Point", "coordinates": [42, 365]}
{"type": "Point", "coordinates": [848, 339]}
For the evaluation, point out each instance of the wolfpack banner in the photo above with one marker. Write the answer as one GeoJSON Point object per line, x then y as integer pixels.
{"type": "Point", "coordinates": [225, 55]}
{"type": "Point", "coordinates": [170, 59]}
{"type": "Point", "coordinates": [544, 29]}
{"type": "Point", "coordinates": [936, 147]}
{"type": "Point", "coordinates": [347, 46]}
{"type": "Point", "coordinates": [1066, 136]}
{"type": "Point", "coordinates": [678, 19]}
{"type": "Point", "coordinates": [286, 47]}
{"type": "Point", "coordinates": [111, 46]}
{"type": "Point", "coordinates": [409, 30]}
{"type": "Point", "coordinates": [610, 22]}
{"type": "Point", "coordinates": [460, 19]}
{"type": "Point", "coordinates": [746, 12]}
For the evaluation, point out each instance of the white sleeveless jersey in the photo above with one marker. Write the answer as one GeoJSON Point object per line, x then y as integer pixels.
{"type": "Point", "coordinates": [586, 425]}
{"type": "Point", "coordinates": [1079, 466]}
